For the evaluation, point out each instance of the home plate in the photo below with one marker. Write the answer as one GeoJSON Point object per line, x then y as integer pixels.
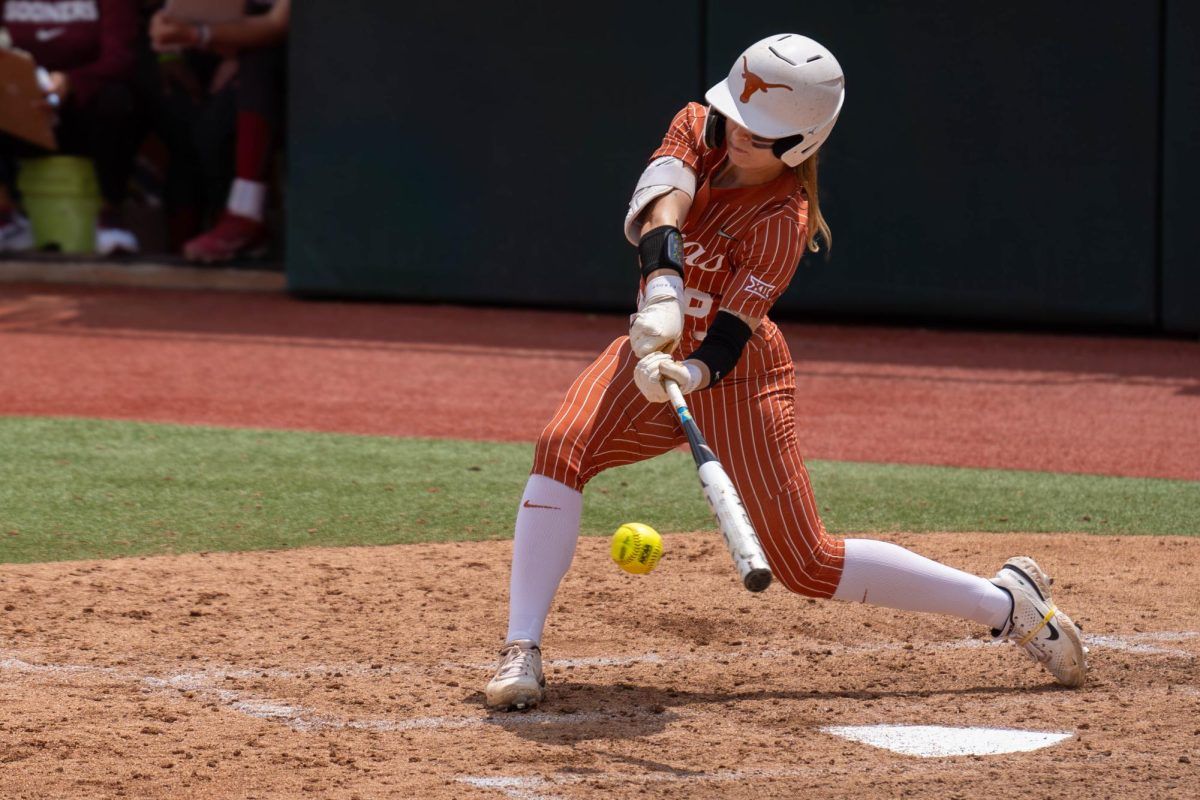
{"type": "Point", "coordinates": [931, 741]}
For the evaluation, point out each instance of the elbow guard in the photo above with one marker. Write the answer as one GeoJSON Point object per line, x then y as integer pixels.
{"type": "Point", "coordinates": [723, 345]}
{"type": "Point", "coordinates": [662, 176]}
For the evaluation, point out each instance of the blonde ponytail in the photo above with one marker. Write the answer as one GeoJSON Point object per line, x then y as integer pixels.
{"type": "Point", "coordinates": [807, 173]}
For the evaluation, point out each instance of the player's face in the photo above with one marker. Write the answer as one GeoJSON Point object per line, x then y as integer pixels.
{"type": "Point", "coordinates": [748, 151]}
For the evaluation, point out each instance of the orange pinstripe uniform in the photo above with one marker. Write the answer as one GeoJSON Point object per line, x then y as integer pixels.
{"type": "Point", "coordinates": [741, 248]}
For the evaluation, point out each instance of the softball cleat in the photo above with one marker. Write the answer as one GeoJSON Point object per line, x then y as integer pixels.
{"type": "Point", "coordinates": [518, 682]}
{"type": "Point", "coordinates": [1037, 626]}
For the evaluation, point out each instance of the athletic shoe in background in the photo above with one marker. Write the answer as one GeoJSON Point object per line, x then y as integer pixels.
{"type": "Point", "coordinates": [233, 237]}
{"type": "Point", "coordinates": [112, 238]}
{"type": "Point", "coordinates": [16, 235]}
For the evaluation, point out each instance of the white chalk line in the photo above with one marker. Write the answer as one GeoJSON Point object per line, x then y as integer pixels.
{"type": "Point", "coordinates": [300, 718]}
{"type": "Point", "coordinates": [305, 719]}
{"type": "Point", "coordinates": [1137, 642]}
{"type": "Point", "coordinates": [1143, 643]}
{"type": "Point", "coordinates": [534, 787]}
{"type": "Point", "coordinates": [516, 788]}
{"type": "Point", "coordinates": [1133, 643]}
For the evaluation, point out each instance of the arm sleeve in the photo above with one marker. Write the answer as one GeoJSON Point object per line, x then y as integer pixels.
{"type": "Point", "coordinates": [118, 50]}
{"type": "Point", "coordinates": [766, 261]}
{"type": "Point", "coordinates": [683, 137]}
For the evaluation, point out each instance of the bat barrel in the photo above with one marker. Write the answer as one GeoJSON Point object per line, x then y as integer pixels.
{"type": "Point", "coordinates": [757, 580]}
{"type": "Point", "coordinates": [723, 499]}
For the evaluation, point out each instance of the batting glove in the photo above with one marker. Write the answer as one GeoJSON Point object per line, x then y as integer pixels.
{"type": "Point", "coordinates": [658, 323]}
{"type": "Point", "coordinates": [652, 369]}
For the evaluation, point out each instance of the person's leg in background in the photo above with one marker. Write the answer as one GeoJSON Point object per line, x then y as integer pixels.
{"type": "Point", "coordinates": [106, 129]}
{"type": "Point", "coordinates": [16, 235]}
{"type": "Point", "coordinates": [241, 230]}
{"type": "Point", "coordinates": [173, 120]}
{"type": "Point", "coordinates": [214, 140]}
{"type": "Point", "coordinates": [171, 93]}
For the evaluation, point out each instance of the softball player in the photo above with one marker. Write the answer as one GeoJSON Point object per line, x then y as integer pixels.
{"type": "Point", "coordinates": [720, 217]}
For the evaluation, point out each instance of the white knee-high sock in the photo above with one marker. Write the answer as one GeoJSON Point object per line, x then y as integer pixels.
{"type": "Point", "coordinates": [247, 198]}
{"type": "Point", "coordinates": [543, 546]}
{"type": "Point", "coordinates": [885, 574]}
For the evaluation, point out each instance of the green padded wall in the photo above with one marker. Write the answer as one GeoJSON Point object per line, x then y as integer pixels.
{"type": "Point", "coordinates": [998, 162]}
{"type": "Point", "coordinates": [1181, 169]}
{"type": "Point", "coordinates": [476, 151]}
{"type": "Point", "coordinates": [993, 161]}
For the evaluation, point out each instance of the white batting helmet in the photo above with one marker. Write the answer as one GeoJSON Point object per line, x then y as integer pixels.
{"type": "Point", "coordinates": [786, 87]}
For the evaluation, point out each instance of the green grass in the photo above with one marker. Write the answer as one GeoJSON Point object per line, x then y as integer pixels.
{"type": "Point", "coordinates": [93, 489]}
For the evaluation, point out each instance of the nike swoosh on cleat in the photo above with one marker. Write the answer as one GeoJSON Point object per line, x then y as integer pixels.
{"type": "Point", "coordinates": [721, 232]}
{"type": "Point", "coordinates": [1053, 631]}
{"type": "Point", "coordinates": [1028, 580]}
{"type": "Point", "coordinates": [528, 504]}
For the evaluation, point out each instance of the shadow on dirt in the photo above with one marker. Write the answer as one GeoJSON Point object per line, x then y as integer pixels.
{"type": "Point", "coordinates": [604, 711]}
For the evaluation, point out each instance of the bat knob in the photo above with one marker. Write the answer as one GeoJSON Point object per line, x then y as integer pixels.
{"type": "Point", "coordinates": [757, 580]}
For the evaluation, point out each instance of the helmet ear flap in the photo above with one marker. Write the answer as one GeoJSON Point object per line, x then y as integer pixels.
{"type": "Point", "coordinates": [714, 129]}
{"type": "Point", "coordinates": [782, 146]}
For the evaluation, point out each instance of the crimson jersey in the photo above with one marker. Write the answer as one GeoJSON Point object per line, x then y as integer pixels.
{"type": "Point", "coordinates": [741, 246]}
{"type": "Point", "coordinates": [93, 41]}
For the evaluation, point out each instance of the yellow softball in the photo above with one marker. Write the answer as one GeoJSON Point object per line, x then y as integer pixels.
{"type": "Point", "coordinates": [636, 548]}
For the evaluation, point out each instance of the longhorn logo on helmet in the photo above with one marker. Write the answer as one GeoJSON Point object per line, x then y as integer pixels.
{"type": "Point", "coordinates": [756, 84]}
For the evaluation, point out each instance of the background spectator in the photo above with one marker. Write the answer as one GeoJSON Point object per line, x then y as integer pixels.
{"type": "Point", "coordinates": [190, 101]}
{"type": "Point", "coordinates": [258, 40]}
{"type": "Point", "coordinates": [89, 49]}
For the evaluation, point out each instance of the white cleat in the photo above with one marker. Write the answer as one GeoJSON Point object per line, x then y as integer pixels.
{"type": "Point", "coordinates": [1036, 625]}
{"type": "Point", "coordinates": [518, 682]}
{"type": "Point", "coordinates": [16, 235]}
{"type": "Point", "coordinates": [115, 241]}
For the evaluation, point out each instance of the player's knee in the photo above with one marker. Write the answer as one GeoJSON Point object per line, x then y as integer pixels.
{"type": "Point", "coordinates": [556, 456]}
{"type": "Point", "coordinates": [816, 573]}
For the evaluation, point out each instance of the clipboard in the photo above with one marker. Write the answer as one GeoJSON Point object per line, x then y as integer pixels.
{"type": "Point", "coordinates": [19, 94]}
{"type": "Point", "coordinates": [205, 10]}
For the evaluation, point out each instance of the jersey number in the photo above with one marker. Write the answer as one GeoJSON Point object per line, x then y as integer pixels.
{"type": "Point", "coordinates": [697, 304]}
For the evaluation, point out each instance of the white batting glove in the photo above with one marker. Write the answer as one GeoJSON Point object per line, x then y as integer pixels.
{"type": "Point", "coordinates": [658, 323]}
{"type": "Point", "coordinates": [650, 371]}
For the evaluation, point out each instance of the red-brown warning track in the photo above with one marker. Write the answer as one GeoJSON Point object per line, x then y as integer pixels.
{"type": "Point", "coordinates": [1059, 403]}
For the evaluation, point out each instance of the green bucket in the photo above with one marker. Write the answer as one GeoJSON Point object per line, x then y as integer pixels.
{"type": "Point", "coordinates": [62, 198]}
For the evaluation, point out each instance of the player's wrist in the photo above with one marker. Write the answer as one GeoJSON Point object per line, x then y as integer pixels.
{"type": "Point", "coordinates": [688, 375]}
{"type": "Point", "coordinates": [658, 323]}
{"type": "Point", "coordinates": [661, 285]}
{"type": "Point", "coordinates": [698, 371]}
